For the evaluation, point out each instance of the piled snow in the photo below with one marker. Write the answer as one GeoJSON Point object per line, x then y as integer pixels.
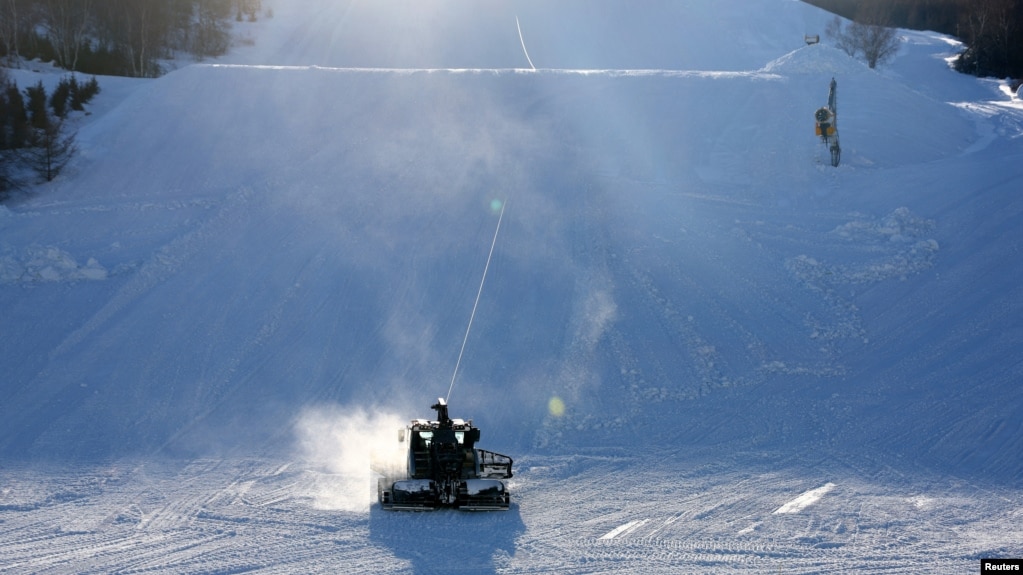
{"type": "Point", "coordinates": [46, 264]}
{"type": "Point", "coordinates": [817, 59]}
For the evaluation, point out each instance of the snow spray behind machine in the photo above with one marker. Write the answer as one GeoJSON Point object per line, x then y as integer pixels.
{"type": "Point", "coordinates": [444, 468]}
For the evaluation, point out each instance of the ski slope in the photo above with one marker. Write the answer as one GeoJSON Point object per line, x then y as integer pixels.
{"type": "Point", "coordinates": [707, 350]}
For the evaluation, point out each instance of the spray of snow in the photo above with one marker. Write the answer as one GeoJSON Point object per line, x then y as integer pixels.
{"type": "Point", "coordinates": [346, 449]}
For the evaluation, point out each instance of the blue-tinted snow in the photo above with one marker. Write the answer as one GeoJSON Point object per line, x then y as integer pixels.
{"type": "Point", "coordinates": [255, 264]}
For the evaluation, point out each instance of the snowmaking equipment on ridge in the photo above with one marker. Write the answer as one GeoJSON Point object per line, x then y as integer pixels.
{"type": "Point", "coordinates": [826, 124]}
{"type": "Point", "coordinates": [443, 466]}
{"type": "Point", "coordinates": [446, 469]}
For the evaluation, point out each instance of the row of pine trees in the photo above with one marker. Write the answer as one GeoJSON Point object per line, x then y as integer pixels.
{"type": "Point", "coordinates": [35, 140]}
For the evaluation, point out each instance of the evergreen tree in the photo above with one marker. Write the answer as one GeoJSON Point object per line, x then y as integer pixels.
{"type": "Point", "coordinates": [81, 94]}
{"type": "Point", "coordinates": [15, 118]}
{"type": "Point", "coordinates": [38, 116]}
{"type": "Point", "coordinates": [30, 139]}
{"type": "Point", "coordinates": [60, 97]}
{"type": "Point", "coordinates": [6, 182]}
{"type": "Point", "coordinates": [5, 112]}
{"type": "Point", "coordinates": [50, 149]}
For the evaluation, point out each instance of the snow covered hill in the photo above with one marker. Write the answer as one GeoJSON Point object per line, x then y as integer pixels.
{"type": "Point", "coordinates": [258, 267]}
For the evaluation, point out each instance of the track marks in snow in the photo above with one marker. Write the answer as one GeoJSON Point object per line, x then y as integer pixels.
{"type": "Point", "coordinates": [210, 515]}
{"type": "Point", "coordinates": [604, 512]}
{"type": "Point", "coordinates": [702, 513]}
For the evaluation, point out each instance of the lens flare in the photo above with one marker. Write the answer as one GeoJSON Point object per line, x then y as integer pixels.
{"type": "Point", "coordinates": [556, 406]}
{"type": "Point", "coordinates": [495, 206]}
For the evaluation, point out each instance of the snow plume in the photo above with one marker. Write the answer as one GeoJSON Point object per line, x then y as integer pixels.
{"type": "Point", "coordinates": [599, 312]}
{"type": "Point", "coordinates": [346, 448]}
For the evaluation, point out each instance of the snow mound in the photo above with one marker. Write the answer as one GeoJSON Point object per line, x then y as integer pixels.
{"type": "Point", "coordinates": [46, 264]}
{"type": "Point", "coordinates": [816, 59]}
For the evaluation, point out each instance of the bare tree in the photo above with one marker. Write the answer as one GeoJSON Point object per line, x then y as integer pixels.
{"type": "Point", "coordinates": [140, 30]}
{"type": "Point", "coordinates": [67, 24]}
{"type": "Point", "coordinates": [835, 30]}
{"type": "Point", "coordinates": [10, 27]}
{"type": "Point", "coordinates": [877, 44]}
{"type": "Point", "coordinates": [212, 37]}
{"type": "Point", "coordinates": [248, 8]}
{"type": "Point", "coordinates": [136, 29]}
{"type": "Point", "coordinates": [989, 28]}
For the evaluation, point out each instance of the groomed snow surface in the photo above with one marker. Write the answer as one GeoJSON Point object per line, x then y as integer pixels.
{"type": "Point", "coordinates": [707, 350]}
